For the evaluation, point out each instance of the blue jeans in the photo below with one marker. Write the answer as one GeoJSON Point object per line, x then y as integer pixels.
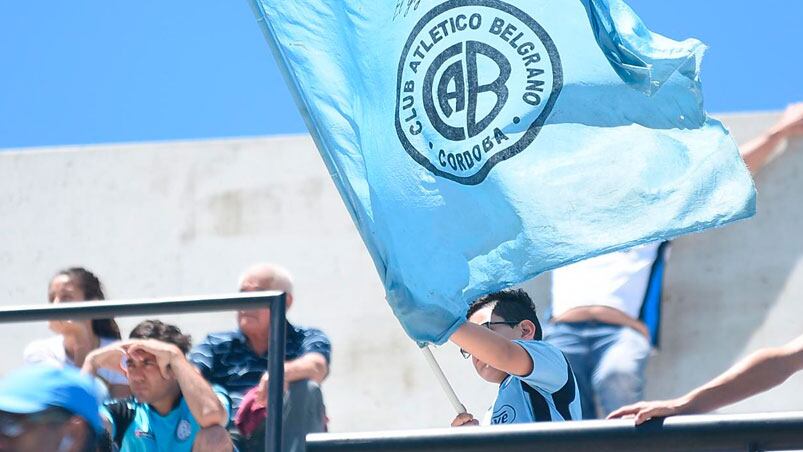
{"type": "Point", "coordinates": [608, 362]}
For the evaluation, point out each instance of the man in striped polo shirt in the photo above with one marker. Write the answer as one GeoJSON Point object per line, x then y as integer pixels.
{"type": "Point", "coordinates": [237, 360]}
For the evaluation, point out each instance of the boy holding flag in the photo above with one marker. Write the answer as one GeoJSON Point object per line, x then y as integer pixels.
{"type": "Point", "coordinates": [503, 337]}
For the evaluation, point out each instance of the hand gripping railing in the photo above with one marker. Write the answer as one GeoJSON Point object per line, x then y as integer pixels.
{"type": "Point", "coordinates": [745, 432]}
{"type": "Point", "coordinates": [183, 305]}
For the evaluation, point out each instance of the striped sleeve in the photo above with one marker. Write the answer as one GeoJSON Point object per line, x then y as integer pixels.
{"type": "Point", "coordinates": [316, 341]}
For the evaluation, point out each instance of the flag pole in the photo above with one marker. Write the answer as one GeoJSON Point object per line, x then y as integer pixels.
{"type": "Point", "coordinates": [447, 388]}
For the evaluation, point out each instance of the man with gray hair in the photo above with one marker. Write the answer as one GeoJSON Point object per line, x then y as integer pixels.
{"type": "Point", "coordinates": [237, 360]}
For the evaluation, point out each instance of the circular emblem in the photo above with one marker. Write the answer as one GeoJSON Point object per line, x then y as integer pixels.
{"type": "Point", "coordinates": [184, 430]}
{"type": "Point", "coordinates": [477, 79]}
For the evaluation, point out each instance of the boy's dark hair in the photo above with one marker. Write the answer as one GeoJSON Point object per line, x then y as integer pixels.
{"type": "Point", "coordinates": [156, 329]}
{"type": "Point", "coordinates": [512, 305]}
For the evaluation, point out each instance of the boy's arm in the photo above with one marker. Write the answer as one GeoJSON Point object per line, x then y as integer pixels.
{"type": "Point", "coordinates": [758, 372]}
{"type": "Point", "coordinates": [493, 349]}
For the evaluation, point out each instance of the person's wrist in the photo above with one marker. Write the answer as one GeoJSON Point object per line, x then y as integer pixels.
{"type": "Point", "coordinates": [683, 405]}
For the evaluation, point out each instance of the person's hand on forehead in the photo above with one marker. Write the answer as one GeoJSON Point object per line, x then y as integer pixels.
{"type": "Point", "coordinates": [139, 355]}
{"type": "Point", "coordinates": [145, 349]}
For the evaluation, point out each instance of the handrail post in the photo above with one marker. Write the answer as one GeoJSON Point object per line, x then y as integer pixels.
{"type": "Point", "coordinates": [276, 352]}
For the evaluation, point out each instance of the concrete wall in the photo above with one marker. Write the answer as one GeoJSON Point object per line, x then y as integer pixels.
{"type": "Point", "coordinates": [182, 218]}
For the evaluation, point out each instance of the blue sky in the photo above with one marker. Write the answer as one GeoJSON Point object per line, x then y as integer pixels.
{"type": "Point", "coordinates": [97, 71]}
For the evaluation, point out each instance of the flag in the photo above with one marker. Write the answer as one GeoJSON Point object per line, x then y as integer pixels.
{"type": "Point", "coordinates": [479, 143]}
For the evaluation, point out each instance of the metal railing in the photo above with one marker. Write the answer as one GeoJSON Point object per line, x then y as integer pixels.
{"type": "Point", "coordinates": [183, 305]}
{"type": "Point", "coordinates": [745, 432]}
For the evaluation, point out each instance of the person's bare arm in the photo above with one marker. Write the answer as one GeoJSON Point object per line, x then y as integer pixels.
{"type": "Point", "coordinates": [493, 349]}
{"type": "Point", "coordinates": [757, 151]}
{"type": "Point", "coordinates": [756, 373]}
{"type": "Point", "coordinates": [109, 357]}
{"type": "Point", "coordinates": [202, 401]}
{"type": "Point", "coordinates": [204, 404]}
{"type": "Point", "coordinates": [310, 366]}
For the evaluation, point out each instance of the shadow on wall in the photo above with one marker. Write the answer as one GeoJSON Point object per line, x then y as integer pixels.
{"type": "Point", "coordinates": [722, 285]}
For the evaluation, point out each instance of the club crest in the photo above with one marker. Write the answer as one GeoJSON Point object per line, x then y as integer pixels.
{"type": "Point", "coordinates": [476, 81]}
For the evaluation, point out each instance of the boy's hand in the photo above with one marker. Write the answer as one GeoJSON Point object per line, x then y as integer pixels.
{"type": "Point", "coordinates": [464, 420]}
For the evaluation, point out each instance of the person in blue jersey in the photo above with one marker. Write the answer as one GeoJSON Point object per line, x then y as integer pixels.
{"type": "Point", "coordinates": [173, 407]}
{"type": "Point", "coordinates": [503, 337]}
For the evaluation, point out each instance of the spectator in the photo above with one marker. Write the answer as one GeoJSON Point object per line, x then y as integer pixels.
{"type": "Point", "coordinates": [757, 373]}
{"type": "Point", "coordinates": [596, 303]}
{"type": "Point", "coordinates": [237, 360]}
{"type": "Point", "coordinates": [173, 407]}
{"type": "Point", "coordinates": [595, 306]}
{"type": "Point", "coordinates": [503, 337]}
{"type": "Point", "coordinates": [46, 409]}
{"type": "Point", "coordinates": [75, 339]}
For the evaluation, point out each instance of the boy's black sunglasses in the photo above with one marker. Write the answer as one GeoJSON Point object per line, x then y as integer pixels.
{"type": "Point", "coordinates": [488, 325]}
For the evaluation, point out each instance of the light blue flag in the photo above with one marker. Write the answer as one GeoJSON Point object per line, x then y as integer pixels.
{"type": "Point", "coordinates": [478, 143]}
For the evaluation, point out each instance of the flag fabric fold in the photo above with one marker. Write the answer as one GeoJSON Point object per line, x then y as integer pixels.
{"type": "Point", "coordinates": [479, 143]}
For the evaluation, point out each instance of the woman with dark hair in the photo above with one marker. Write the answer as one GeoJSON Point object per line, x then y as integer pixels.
{"type": "Point", "coordinates": [76, 338]}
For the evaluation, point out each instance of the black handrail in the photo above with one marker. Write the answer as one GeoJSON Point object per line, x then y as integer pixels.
{"type": "Point", "coordinates": [750, 432]}
{"type": "Point", "coordinates": [183, 305]}
{"type": "Point", "coordinates": [124, 308]}
{"type": "Point", "coordinates": [273, 432]}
